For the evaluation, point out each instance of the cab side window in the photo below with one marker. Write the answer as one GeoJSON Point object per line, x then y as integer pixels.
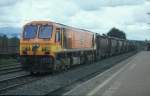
{"type": "Point", "coordinates": [58, 35]}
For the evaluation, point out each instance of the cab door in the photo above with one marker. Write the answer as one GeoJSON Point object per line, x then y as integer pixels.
{"type": "Point", "coordinates": [58, 35]}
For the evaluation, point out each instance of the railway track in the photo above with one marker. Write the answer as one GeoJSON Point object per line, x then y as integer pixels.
{"type": "Point", "coordinates": [7, 83]}
{"type": "Point", "coordinates": [11, 82]}
{"type": "Point", "coordinates": [8, 65]}
{"type": "Point", "coordinates": [10, 69]}
{"type": "Point", "coordinates": [11, 76]}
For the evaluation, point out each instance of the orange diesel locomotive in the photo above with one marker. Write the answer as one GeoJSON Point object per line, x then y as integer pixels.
{"type": "Point", "coordinates": [48, 46]}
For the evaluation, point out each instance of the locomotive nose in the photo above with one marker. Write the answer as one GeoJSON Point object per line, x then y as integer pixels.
{"type": "Point", "coordinates": [35, 47]}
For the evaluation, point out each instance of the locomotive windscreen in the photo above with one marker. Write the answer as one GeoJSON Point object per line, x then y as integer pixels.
{"type": "Point", "coordinates": [45, 32]}
{"type": "Point", "coordinates": [30, 31]}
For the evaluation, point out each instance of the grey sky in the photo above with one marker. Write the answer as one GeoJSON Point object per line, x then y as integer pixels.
{"type": "Point", "coordinates": [95, 15]}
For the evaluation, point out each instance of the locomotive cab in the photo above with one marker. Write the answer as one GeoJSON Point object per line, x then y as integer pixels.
{"type": "Point", "coordinates": [38, 45]}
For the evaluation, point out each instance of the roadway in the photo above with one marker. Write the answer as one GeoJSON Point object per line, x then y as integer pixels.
{"type": "Point", "coordinates": [129, 78]}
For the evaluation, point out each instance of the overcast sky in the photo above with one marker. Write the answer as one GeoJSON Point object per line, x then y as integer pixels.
{"type": "Point", "coordinates": [95, 15]}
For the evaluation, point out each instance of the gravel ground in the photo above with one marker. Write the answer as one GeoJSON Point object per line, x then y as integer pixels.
{"type": "Point", "coordinates": [51, 83]}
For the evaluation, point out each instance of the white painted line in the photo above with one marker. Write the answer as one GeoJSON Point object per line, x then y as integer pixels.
{"type": "Point", "coordinates": [112, 89]}
{"type": "Point", "coordinates": [105, 82]}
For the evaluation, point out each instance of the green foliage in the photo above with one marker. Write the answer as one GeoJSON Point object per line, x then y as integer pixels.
{"type": "Point", "coordinates": [114, 32]}
{"type": "Point", "coordinates": [14, 41]}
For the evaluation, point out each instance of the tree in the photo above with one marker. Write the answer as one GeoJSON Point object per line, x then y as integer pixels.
{"type": "Point", "coordinates": [114, 32]}
{"type": "Point", "coordinates": [4, 42]}
{"type": "Point", "coordinates": [13, 41]}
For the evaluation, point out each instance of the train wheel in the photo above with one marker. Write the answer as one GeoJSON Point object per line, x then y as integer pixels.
{"type": "Point", "coordinates": [86, 59]}
{"type": "Point", "coordinates": [33, 73]}
{"type": "Point", "coordinates": [67, 63]}
{"type": "Point", "coordinates": [63, 67]}
{"type": "Point", "coordinates": [55, 68]}
{"type": "Point", "coordinates": [68, 66]}
{"type": "Point", "coordinates": [82, 60]}
{"type": "Point", "coordinates": [93, 59]}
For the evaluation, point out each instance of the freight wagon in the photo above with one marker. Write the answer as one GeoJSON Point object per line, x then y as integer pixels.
{"type": "Point", "coordinates": [9, 46]}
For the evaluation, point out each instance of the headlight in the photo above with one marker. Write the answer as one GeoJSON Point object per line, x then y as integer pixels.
{"type": "Point", "coordinates": [36, 45]}
{"type": "Point", "coordinates": [46, 49]}
{"type": "Point", "coordinates": [24, 48]}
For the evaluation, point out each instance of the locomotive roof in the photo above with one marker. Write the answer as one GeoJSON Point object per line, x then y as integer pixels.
{"type": "Point", "coordinates": [40, 22]}
{"type": "Point", "coordinates": [70, 27]}
{"type": "Point", "coordinates": [58, 24]}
